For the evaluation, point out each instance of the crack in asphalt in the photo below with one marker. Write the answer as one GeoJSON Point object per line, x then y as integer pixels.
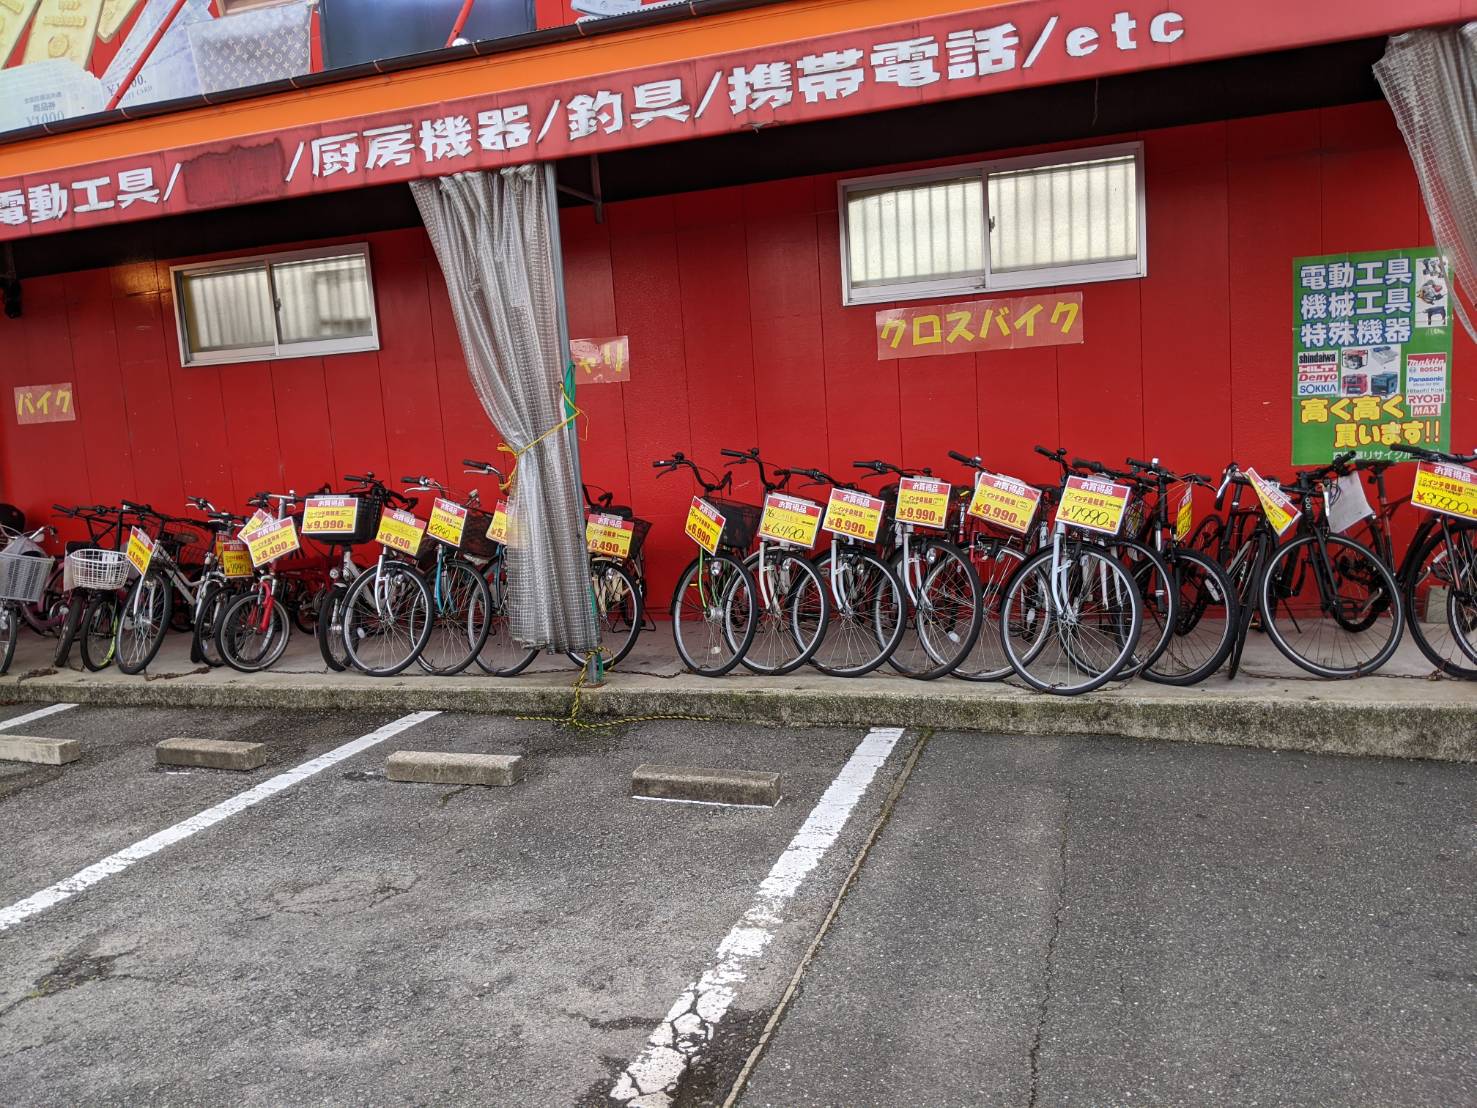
{"type": "Point", "coordinates": [1043, 1010]}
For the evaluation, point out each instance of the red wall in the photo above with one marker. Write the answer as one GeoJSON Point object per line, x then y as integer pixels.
{"type": "Point", "coordinates": [732, 302]}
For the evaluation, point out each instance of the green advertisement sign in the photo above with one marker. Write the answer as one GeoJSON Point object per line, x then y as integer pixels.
{"type": "Point", "coordinates": [1371, 353]}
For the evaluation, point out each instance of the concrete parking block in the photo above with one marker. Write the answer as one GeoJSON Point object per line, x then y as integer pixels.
{"type": "Point", "coordinates": [46, 752]}
{"type": "Point", "coordinates": [433, 767]}
{"type": "Point", "coordinates": [211, 754]}
{"type": "Point", "coordinates": [711, 786]}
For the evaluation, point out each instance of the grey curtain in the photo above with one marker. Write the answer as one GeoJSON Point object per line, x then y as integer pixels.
{"type": "Point", "coordinates": [492, 236]}
{"type": "Point", "coordinates": [1428, 78]}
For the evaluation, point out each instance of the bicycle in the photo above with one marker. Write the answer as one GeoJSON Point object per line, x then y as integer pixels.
{"type": "Point", "coordinates": [617, 586]}
{"type": "Point", "coordinates": [460, 599]}
{"type": "Point", "coordinates": [501, 655]}
{"type": "Point", "coordinates": [227, 564]}
{"type": "Point", "coordinates": [139, 623]}
{"type": "Point", "coordinates": [254, 628]}
{"type": "Point", "coordinates": [387, 611]}
{"type": "Point", "coordinates": [24, 574]}
{"type": "Point", "coordinates": [95, 569]}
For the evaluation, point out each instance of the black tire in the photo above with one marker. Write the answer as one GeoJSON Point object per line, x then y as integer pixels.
{"type": "Point", "coordinates": [328, 629]}
{"type": "Point", "coordinates": [939, 639]}
{"type": "Point", "coordinates": [713, 614]}
{"type": "Point", "coordinates": [1206, 625]}
{"type": "Point", "coordinates": [96, 640]}
{"type": "Point", "coordinates": [1434, 567]}
{"type": "Point", "coordinates": [10, 630]}
{"type": "Point", "coordinates": [458, 623]}
{"type": "Point", "coordinates": [868, 622]}
{"type": "Point", "coordinates": [242, 644]}
{"type": "Point", "coordinates": [1160, 605]}
{"type": "Point", "coordinates": [619, 610]}
{"type": "Point", "coordinates": [141, 629]}
{"type": "Point", "coordinates": [790, 628]}
{"type": "Point", "coordinates": [387, 619]}
{"type": "Point", "coordinates": [204, 647]}
{"type": "Point", "coordinates": [995, 562]}
{"type": "Point", "coordinates": [304, 608]}
{"type": "Point", "coordinates": [500, 655]}
{"type": "Point", "coordinates": [76, 604]}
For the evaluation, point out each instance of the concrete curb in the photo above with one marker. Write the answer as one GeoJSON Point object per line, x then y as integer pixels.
{"type": "Point", "coordinates": [211, 754]}
{"type": "Point", "coordinates": [1411, 728]}
{"type": "Point", "coordinates": [432, 767]}
{"type": "Point", "coordinates": [706, 786]}
{"type": "Point", "coordinates": [42, 752]}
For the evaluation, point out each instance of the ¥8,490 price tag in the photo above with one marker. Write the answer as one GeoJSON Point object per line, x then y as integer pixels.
{"type": "Point", "coordinates": [608, 535]}
{"type": "Point", "coordinates": [923, 501]}
{"type": "Point", "coordinates": [497, 530]}
{"type": "Point", "coordinates": [854, 514]}
{"type": "Point", "coordinates": [705, 524]}
{"type": "Point", "coordinates": [1004, 501]}
{"type": "Point", "coordinates": [400, 531]}
{"type": "Point", "coordinates": [1445, 488]}
{"type": "Point", "coordinates": [790, 519]}
{"type": "Point", "coordinates": [1281, 512]}
{"type": "Point", "coordinates": [271, 541]}
{"type": "Point", "coordinates": [448, 521]}
{"type": "Point", "coordinates": [140, 550]}
{"type": "Point", "coordinates": [1093, 504]}
{"type": "Point", "coordinates": [330, 515]}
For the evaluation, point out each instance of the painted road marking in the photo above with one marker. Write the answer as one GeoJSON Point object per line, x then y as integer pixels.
{"type": "Point", "coordinates": [39, 713]}
{"type": "Point", "coordinates": [117, 863]}
{"type": "Point", "coordinates": [683, 1037]}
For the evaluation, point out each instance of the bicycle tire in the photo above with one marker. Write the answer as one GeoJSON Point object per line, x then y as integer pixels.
{"type": "Point", "coordinates": [620, 620]}
{"type": "Point", "coordinates": [994, 565]}
{"type": "Point", "coordinates": [1384, 591]}
{"type": "Point", "coordinates": [1201, 585]}
{"type": "Point", "coordinates": [713, 592]}
{"type": "Point", "coordinates": [328, 629]}
{"type": "Point", "coordinates": [141, 629]}
{"type": "Point", "coordinates": [501, 655]}
{"type": "Point", "coordinates": [400, 632]}
{"type": "Point", "coordinates": [96, 641]}
{"type": "Point", "coordinates": [76, 604]}
{"type": "Point", "coordinates": [463, 618]}
{"type": "Point", "coordinates": [10, 631]}
{"type": "Point", "coordinates": [239, 625]}
{"type": "Point", "coordinates": [1160, 605]}
{"type": "Point", "coordinates": [790, 627]}
{"type": "Point", "coordinates": [1430, 571]}
{"type": "Point", "coordinates": [49, 607]}
{"type": "Point", "coordinates": [867, 623]}
{"type": "Point", "coordinates": [202, 634]}
{"type": "Point", "coordinates": [940, 649]}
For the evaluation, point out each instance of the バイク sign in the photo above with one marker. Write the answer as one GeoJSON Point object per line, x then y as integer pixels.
{"type": "Point", "coordinates": [977, 326]}
{"type": "Point", "coordinates": [1279, 509]}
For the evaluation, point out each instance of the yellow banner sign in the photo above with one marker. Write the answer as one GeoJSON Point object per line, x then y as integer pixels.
{"type": "Point", "coordinates": [330, 515]}
{"type": "Point", "coordinates": [497, 530]}
{"type": "Point", "coordinates": [448, 522]}
{"type": "Point", "coordinates": [1004, 501]}
{"type": "Point", "coordinates": [609, 536]}
{"type": "Point", "coordinates": [923, 501]}
{"type": "Point", "coordinates": [790, 519]}
{"type": "Point", "coordinates": [854, 514]}
{"type": "Point", "coordinates": [1184, 512]}
{"type": "Point", "coordinates": [1281, 512]}
{"type": "Point", "coordinates": [400, 531]}
{"type": "Point", "coordinates": [140, 550]}
{"type": "Point", "coordinates": [1093, 504]}
{"type": "Point", "coordinates": [1448, 489]}
{"type": "Point", "coordinates": [270, 541]}
{"type": "Point", "coordinates": [704, 524]}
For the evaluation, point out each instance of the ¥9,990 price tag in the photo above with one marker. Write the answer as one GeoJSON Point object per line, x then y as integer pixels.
{"type": "Point", "coordinates": [1004, 501]}
{"type": "Point", "coordinates": [923, 501]}
{"type": "Point", "coordinates": [330, 515]}
{"type": "Point", "coordinates": [1095, 505]}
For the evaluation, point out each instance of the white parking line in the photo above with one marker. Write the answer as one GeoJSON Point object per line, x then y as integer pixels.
{"type": "Point", "coordinates": [39, 713]}
{"type": "Point", "coordinates": [683, 1037]}
{"type": "Point", "coordinates": [117, 863]}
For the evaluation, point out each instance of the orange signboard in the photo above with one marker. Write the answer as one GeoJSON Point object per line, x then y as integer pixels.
{"type": "Point", "coordinates": [973, 326]}
{"type": "Point", "coordinates": [44, 404]}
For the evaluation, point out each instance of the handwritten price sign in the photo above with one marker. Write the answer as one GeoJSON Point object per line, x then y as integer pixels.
{"type": "Point", "coordinates": [400, 531]}
{"type": "Point", "coordinates": [270, 541]}
{"type": "Point", "coordinates": [923, 501]}
{"type": "Point", "coordinates": [854, 514]}
{"type": "Point", "coordinates": [1004, 501]}
{"type": "Point", "coordinates": [448, 522]}
{"type": "Point", "coordinates": [1094, 505]}
{"type": "Point", "coordinates": [330, 515]}
{"type": "Point", "coordinates": [233, 556]}
{"type": "Point", "coordinates": [497, 530]}
{"type": "Point", "coordinates": [790, 519]}
{"type": "Point", "coordinates": [704, 524]}
{"type": "Point", "coordinates": [1281, 512]}
{"type": "Point", "coordinates": [1448, 489]}
{"type": "Point", "coordinates": [140, 550]}
{"type": "Point", "coordinates": [608, 535]}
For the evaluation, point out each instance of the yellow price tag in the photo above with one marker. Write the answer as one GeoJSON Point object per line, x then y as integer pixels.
{"type": "Point", "coordinates": [609, 536]}
{"type": "Point", "coordinates": [705, 524]}
{"type": "Point", "coordinates": [923, 501]}
{"type": "Point", "coordinates": [330, 515]}
{"type": "Point", "coordinates": [448, 522]}
{"type": "Point", "coordinates": [233, 556]}
{"type": "Point", "coordinates": [1281, 512]}
{"type": "Point", "coordinates": [790, 519]}
{"type": "Point", "coordinates": [400, 531]}
{"type": "Point", "coordinates": [854, 514]}
{"type": "Point", "coordinates": [257, 519]}
{"type": "Point", "coordinates": [1004, 501]}
{"type": "Point", "coordinates": [1184, 512]}
{"type": "Point", "coordinates": [1093, 504]}
{"type": "Point", "coordinates": [140, 550]}
{"type": "Point", "coordinates": [1445, 488]}
{"type": "Point", "coordinates": [271, 541]}
{"type": "Point", "coordinates": [497, 530]}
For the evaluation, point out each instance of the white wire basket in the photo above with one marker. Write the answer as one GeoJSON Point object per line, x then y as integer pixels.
{"type": "Point", "coordinates": [23, 576]}
{"type": "Point", "coordinates": [97, 569]}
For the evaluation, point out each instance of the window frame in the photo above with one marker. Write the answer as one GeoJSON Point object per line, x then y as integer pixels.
{"type": "Point", "coordinates": [988, 281]}
{"type": "Point", "coordinates": [277, 350]}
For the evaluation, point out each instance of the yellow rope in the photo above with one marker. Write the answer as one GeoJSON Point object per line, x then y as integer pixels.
{"type": "Point", "coordinates": [574, 413]}
{"type": "Point", "coordinates": [573, 720]}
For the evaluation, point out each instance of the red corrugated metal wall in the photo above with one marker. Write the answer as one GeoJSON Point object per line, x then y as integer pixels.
{"type": "Point", "coordinates": [732, 303]}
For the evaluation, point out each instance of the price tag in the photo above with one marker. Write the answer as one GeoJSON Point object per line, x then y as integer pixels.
{"type": "Point", "coordinates": [608, 535]}
{"type": "Point", "coordinates": [140, 550]}
{"type": "Point", "coordinates": [923, 501]}
{"type": "Point", "coordinates": [854, 514]}
{"type": "Point", "coordinates": [400, 531]}
{"type": "Point", "coordinates": [1281, 512]}
{"type": "Point", "coordinates": [271, 541]}
{"type": "Point", "coordinates": [1346, 503]}
{"type": "Point", "coordinates": [705, 524]}
{"type": "Point", "coordinates": [1004, 501]}
{"type": "Point", "coordinates": [448, 521]}
{"type": "Point", "coordinates": [790, 519]}
{"type": "Point", "coordinates": [497, 530]}
{"type": "Point", "coordinates": [233, 556]}
{"type": "Point", "coordinates": [1445, 488]}
{"type": "Point", "coordinates": [330, 515]}
{"type": "Point", "coordinates": [1184, 511]}
{"type": "Point", "coordinates": [257, 519]}
{"type": "Point", "coordinates": [1093, 504]}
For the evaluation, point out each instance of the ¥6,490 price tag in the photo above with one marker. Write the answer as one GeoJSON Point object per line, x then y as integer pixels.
{"type": "Point", "coordinates": [1448, 489]}
{"type": "Point", "coordinates": [1281, 512]}
{"type": "Point", "coordinates": [400, 531]}
{"type": "Point", "coordinates": [608, 535]}
{"type": "Point", "coordinates": [923, 501]}
{"type": "Point", "coordinates": [140, 550]}
{"type": "Point", "coordinates": [1004, 501]}
{"type": "Point", "coordinates": [1093, 504]}
{"type": "Point", "coordinates": [271, 541]}
{"type": "Point", "coordinates": [497, 530]}
{"type": "Point", "coordinates": [330, 515]}
{"type": "Point", "coordinates": [448, 521]}
{"type": "Point", "coordinates": [790, 519]}
{"type": "Point", "coordinates": [854, 514]}
{"type": "Point", "coordinates": [705, 524]}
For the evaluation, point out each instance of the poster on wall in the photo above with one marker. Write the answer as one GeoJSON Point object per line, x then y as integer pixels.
{"type": "Point", "coordinates": [1371, 354]}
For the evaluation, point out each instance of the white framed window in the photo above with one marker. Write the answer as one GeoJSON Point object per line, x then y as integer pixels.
{"type": "Point", "coordinates": [299, 304]}
{"type": "Point", "coordinates": [1068, 217]}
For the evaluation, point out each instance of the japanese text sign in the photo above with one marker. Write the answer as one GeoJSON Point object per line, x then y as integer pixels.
{"type": "Point", "coordinates": [704, 524]}
{"type": "Point", "coordinates": [330, 515]}
{"type": "Point", "coordinates": [270, 541]}
{"type": "Point", "coordinates": [1004, 501]}
{"type": "Point", "coordinates": [980, 325]}
{"type": "Point", "coordinates": [923, 501]}
{"type": "Point", "coordinates": [233, 556]}
{"type": "Point", "coordinates": [257, 519]}
{"type": "Point", "coordinates": [1280, 511]}
{"type": "Point", "coordinates": [1094, 504]}
{"type": "Point", "coordinates": [44, 404]}
{"type": "Point", "coordinates": [601, 361]}
{"type": "Point", "coordinates": [1371, 354]}
{"type": "Point", "coordinates": [1448, 489]}
{"type": "Point", "coordinates": [1184, 511]}
{"type": "Point", "coordinates": [400, 531]}
{"type": "Point", "coordinates": [854, 514]}
{"type": "Point", "coordinates": [447, 522]}
{"type": "Point", "coordinates": [608, 535]}
{"type": "Point", "coordinates": [497, 530]}
{"type": "Point", "coordinates": [140, 550]}
{"type": "Point", "coordinates": [790, 519]}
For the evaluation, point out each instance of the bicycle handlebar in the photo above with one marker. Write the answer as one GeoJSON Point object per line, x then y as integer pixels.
{"type": "Point", "coordinates": [975, 462]}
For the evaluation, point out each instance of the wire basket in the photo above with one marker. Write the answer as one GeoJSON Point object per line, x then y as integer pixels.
{"type": "Point", "coordinates": [23, 576]}
{"type": "Point", "coordinates": [740, 523]}
{"type": "Point", "coordinates": [642, 527]}
{"type": "Point", "coordinates": [97, 569]}
{"type": "Point", "coordinates": [474, 536]}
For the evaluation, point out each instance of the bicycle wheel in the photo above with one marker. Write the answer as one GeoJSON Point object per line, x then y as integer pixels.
{"type": "Point", "coordinates": [305, 604]}
{"type": "Point", "coordinates": [713, 614]}
{"type": "Point", "coordinates": [793, 609]}
{"type": "Point", "coordinates": [867, 613]}
{"type": "Point", "coordinates": [253, 631]}
{"type": "Point", "coordinates": [618, 608]}
{"type": "Point", "coordinates": [501, 655]}
{"type": "Point", "coordinates": [202, 637]}
{"type": "Point", "coordinates": [1091, 613]}
{"type": "Point", "coordinates": [1205, 626]}
{"type": "Point", "coordinates": [328, 629]}
{"type": "Point", "coordinates": [75, 604]}
{"type": "Point", "coordinates": [994, 564]}
{"type": "Point", "coordinates": [1310, 601]}
{"type": "Point", "coordinates": [96, 639]}
{"type": "Point", "coordinates": [1440, 597]}
{"type": "Point", "coordinates": [387, 619]}
{"type": "Point", "coordinates": [143, 619]}
{"type": "Point", "coordinates": [945, 613]}
{"type": "Point", "coordinates": [460, 603]}
{"type": "Point", "coordinates": [10, 629]}
{"type": "Point", "coordinates": [1160, 602]}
